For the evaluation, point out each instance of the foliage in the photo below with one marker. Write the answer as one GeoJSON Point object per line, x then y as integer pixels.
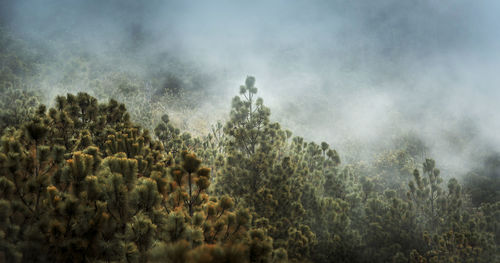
{"type": "Point", "coordinates": [82, 183]}
{"type": "Point", "coordinates": [18, 100]}
{"type": "Point", "coordinates": [483, 183]}
{"type": "Point", "coordinates": [317, 210]}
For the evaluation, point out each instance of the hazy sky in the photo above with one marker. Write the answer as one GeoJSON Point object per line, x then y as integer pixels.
{"type": "Point", "coordinates": [329, 70]}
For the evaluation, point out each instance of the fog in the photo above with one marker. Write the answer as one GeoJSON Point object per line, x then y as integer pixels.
{"type": "Point", "coordinates": [356, 74]}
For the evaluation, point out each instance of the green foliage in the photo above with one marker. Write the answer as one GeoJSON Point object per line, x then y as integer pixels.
{"type": "Point", "coordinates": [17, 59]}
{"type": "Point", "coordinates": [82, 183]}
{"type": "Point", "coordinates": [432, 225]}
{"type": "Point", "coordinates": [483, 184]}
{"type": "Point", "coordinates": [258, 175]}
{"type": "Point", "coordinates": [316, 210]}
{"type": "Point", "coordinates": [296, 189]}
{"type": "Point", "coordinates": [18, 100]}
{"type": "Point", "coordinates": [175, 142]}
{"type": "Point", "coordinates": [16, 107]}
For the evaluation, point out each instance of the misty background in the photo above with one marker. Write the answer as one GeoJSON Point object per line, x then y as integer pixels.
{"type": "Point", "coordinates": [356, 74]}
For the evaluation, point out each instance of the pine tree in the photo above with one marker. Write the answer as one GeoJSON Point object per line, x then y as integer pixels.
{"type": "Point", "coordinates": [451, 231]}
{"type": "Point", "coordinates": [16, 107]}
{"type": "Point", "coordinates": [83, 183]}
{"type": "Point", "coordinates": [258, 173]}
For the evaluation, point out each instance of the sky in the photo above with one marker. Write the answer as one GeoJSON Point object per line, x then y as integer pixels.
{"type": "Point", "coordinates": [335, 71]}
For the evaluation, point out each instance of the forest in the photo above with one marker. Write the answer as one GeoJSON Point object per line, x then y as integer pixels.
{"type": "Point", "coordinates": [119, 159]}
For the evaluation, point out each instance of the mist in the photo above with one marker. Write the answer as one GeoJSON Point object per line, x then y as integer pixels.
{"type": "Point", "coordinates": [344, 72]}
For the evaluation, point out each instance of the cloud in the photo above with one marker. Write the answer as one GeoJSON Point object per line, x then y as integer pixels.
{"type": "Point", "coordinates": [330, 70]}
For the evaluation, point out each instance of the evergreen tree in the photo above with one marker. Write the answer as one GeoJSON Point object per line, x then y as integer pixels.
{"type": "Point", "coordinates": [83, 183]}
{"type": "Point", "coordinates": [483, 183]}
{"type": "Point", "coordinates": [267, 172]}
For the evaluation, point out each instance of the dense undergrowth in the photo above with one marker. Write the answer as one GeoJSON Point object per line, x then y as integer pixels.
{"type": "Point", "coordinates": [87, 181]}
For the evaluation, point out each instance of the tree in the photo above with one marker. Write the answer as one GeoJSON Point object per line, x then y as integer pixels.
{"type": "Point", "coordinates": [259, 173]}
{"type": "Point", "coordinates": [483, 183]}
{"type": "Point", "coordinates": [451, 231]}
{"type": "Point", "coordinates": [83, 183]}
